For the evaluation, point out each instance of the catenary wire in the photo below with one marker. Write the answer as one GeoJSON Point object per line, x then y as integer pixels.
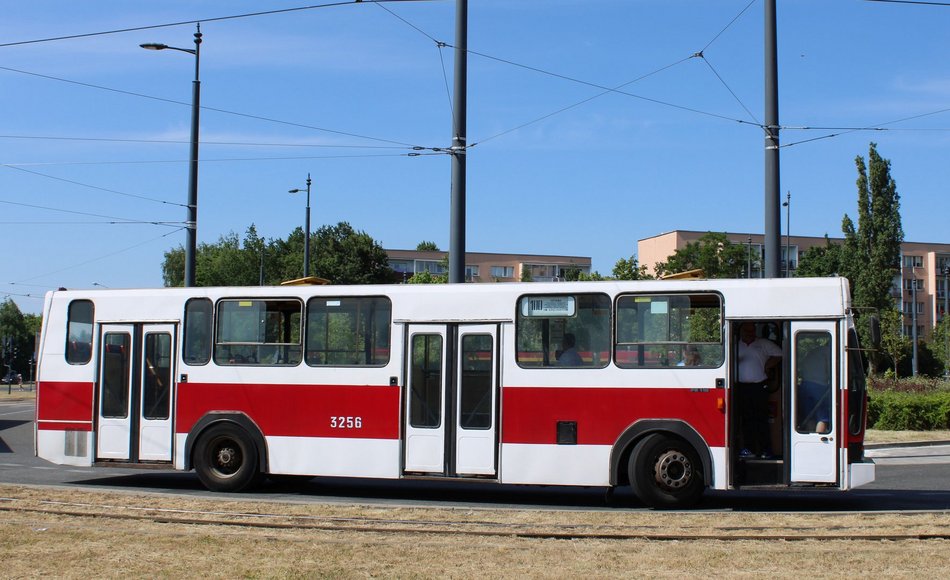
{"type": "Point", "coordinates": [198, 20]}
{"type": "Point", "coordinates": [205, 108]}
{"type": "Point", "coordinates": [96, 187]}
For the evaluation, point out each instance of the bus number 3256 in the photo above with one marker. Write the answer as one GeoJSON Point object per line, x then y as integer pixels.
{"type": "Point", "coordinates": [346, 422]}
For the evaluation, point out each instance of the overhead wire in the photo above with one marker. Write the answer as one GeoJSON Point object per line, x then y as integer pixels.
{"type": "Point", "coordinates": [198, 20]}
{"type": "Point", "coordinates": [102, 257]}
{"type": "Point", "coordinates": [203, 142]}
{"type": "Point", "coordinates": [113, 219]}
{"type": "Point", "coordinates": [96, 187]}
{"type": "Point", "coordinates": [206, 108]}
{"type": "Point", "coordinates": [439, 45]}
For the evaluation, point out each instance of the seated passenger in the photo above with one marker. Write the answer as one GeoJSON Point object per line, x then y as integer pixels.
{"type": "Point", "coordinates": [568, 356]}
{"type": "Point", "coordinates": [691, 358]}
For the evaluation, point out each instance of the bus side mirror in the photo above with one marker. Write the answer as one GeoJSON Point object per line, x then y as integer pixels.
{"type": "Point", "coordinates": [874, 325]}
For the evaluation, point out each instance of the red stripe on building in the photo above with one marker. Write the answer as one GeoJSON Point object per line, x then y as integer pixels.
{"type": "Point", "coordinates": [297, 410]}
{"type": "Point", "coordinates": [531, 414]}
{"type": "Point", "coordinates": [64, 401]}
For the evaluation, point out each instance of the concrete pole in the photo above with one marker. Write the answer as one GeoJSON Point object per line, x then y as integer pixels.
{"type": "Point", "coordinates": [457, 209]}
{"type": "Point", "coordinates": [773, 225]}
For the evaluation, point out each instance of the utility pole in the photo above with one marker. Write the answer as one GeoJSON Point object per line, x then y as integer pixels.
{"type": "Point", "coordinates": [773, 225]}
{"type": "Point", "coordinates": [913, 329]}
{"type": "Point", "coordinates": [457, 210]}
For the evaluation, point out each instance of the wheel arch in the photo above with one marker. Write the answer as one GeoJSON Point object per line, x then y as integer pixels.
{"type": "Point", "coordinates": [235, 418]}
{"type": "Point", "coordinates": [620, 453]}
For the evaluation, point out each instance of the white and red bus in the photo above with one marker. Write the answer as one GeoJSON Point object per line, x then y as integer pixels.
{"type": "Point", "coordinates": [461, 381]}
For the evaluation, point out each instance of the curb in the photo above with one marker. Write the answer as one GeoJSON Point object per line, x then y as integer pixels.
{"type": "Point", "coordinates": [906, 444]}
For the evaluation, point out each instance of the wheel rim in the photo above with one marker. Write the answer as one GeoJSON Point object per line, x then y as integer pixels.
{"type": "Point", "coordinates": [226, 457]}
{"type": "Point", "coordinates": [673, 470]}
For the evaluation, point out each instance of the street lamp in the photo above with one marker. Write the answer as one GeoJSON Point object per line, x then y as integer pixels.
{"type": "Point", "coordinates": [913, 329]}
{"type": "Point", "coordinates": [788, 233]}
{"type": "Point", "coordinates": [749, 274]}
{"type": "Point", "coordinates": [191, 225]}
{"type": "Point", "coordinates": [946, 331]}
{"type": "Point", "coordinates": [306, 239]}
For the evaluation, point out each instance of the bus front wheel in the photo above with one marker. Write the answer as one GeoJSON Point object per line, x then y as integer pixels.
{"type": "Point", "coordinates": [226, 459]}
{"type": "Point", "coordinates": [665, 472]}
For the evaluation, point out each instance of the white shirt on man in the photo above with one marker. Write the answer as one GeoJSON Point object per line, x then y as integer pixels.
{"type": "Point", "coordinates": [752, 359]}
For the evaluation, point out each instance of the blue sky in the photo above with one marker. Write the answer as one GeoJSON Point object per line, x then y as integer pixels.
{"type": "Point", "coordinates": [94, 144]}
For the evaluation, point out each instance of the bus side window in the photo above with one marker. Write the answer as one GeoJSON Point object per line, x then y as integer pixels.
{"type": "Point", "coordinates": [669, 330]}
{"type": "Point", "coordinates": [79, 332]}
{"type": "Point", "coordinates": [197, 343]}
{"type": "Point", "coordinates": [563, 331]}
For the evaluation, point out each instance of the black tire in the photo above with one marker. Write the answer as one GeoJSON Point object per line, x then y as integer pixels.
{"type": "Point", "coordinates": [665, 472]}
{"type": "Point", "coordinates": [226, 459]}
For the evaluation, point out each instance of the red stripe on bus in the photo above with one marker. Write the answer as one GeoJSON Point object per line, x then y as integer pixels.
{"type": "Point", "coordinates": [347, 411]}
{"type": "Point", "coordinates": [64, 401]}
{"type": "Point", "coordinates": [64, 426]}
{"type": "Point", "coordinates": [531, 414]}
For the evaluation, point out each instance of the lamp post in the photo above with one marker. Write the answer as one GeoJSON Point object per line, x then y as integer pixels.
{"type": "Point", "coordinates": [788, 233]}
{"type": "Point", "coordinates": [191, 225]}
{"type": "Point", "coordinates": [946, 331]}
{"type": "Point", "coordinates": [913, 329]}
{"type": "Point", "coordinates": [749, 274]}
{"type": "Point", "coordinates": [306, 232]}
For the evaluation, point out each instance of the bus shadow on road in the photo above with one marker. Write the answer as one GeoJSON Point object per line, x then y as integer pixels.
{"type": "Point", "coordinates": [456, 494]}
{"type": "Point", "coordinates": [8, 424]}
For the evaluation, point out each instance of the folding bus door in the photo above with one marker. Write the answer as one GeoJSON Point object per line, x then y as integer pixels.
{"type": "Point", "coordinates": [814, 402]}
{"type": "Point", "coordinates": [134, 392]}
{"type": "Point", "coordinates": [450, 421]}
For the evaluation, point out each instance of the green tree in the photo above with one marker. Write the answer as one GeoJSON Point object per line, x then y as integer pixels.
{"type": "Point", "coordinates": [18, 333]}
{"type": "Point", "coordinates": [426, 277]}
{"type": "Point", "coordinates": [427, 246]}
{"type": "Point", "coordinates": [893, 341]}
{"type": "Point", "coordinates": [526, 274]}
{"type": "Point", "coordinates": [629, 269]}
{"type": "Point", "coordinates": [338, 253]}
{"type": "Point", "coordinates": [346, 256]}
{"type": "Point", "coordinates": [714, 254]}
{"type": "Point", "coordinates": [870, 257]}
{"type": "Point", "coordinates": [939, 343]}
{"type": "Point", "coordinates": [572, 274]}
{"type": "Point", "coordinates": [820, 261]}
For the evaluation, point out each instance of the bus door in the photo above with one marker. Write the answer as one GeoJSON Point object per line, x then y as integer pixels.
{"type": "Point", "coordinates": [451, 419]}
{"type": "Point", "coordinates": [814, 402]}
{"type": "Point", "coordinates": [134, 392]}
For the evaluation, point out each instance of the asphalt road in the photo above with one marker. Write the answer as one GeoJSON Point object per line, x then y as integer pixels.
{"type": "Point", "coordinates": [908, 478]}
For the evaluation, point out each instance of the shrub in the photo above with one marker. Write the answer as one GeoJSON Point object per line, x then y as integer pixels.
{"type": "Point", "coordinates": [907, 410]}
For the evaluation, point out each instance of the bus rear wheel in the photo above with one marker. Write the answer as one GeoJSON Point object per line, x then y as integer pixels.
{"type": "Point", "coordinates": [226, 459]}
{"type": "Point", "coordinates": [665, 472]}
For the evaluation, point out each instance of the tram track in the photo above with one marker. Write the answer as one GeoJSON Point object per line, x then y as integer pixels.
{"type": "Point", "coordinates": [892, 531]}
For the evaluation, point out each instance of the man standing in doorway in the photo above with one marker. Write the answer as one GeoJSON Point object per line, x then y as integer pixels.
{"type": "Point", "coordinates": [757, 356]}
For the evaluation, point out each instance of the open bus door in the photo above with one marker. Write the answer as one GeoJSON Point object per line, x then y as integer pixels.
{"type": "Point", "coordinates": [450, 416]}
{"type": "Point", "coordinates": [134, 392]}
{"type": "Point", "coordinates": [814, 402]}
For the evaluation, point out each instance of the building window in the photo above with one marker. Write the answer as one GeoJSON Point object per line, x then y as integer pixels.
{"type": "Point", "coordinates": [503, 271]}
{"type": "Point", "coordinates": [909, 283]}
{"type": "Point", "coordinates": [430, 266]}
{"type": "Point", "coordinates": [471, 272]}
{"type": "Point", "coordinates": [913, 261]}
